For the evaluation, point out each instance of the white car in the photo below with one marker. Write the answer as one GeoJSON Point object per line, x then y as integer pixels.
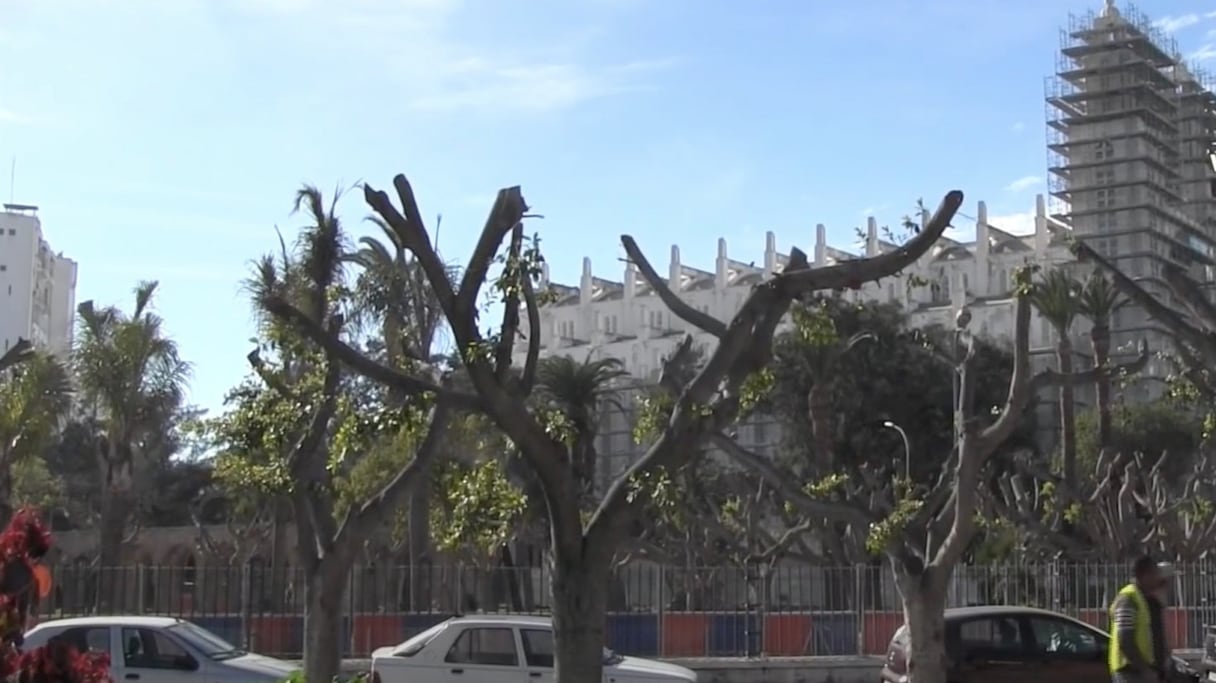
{"type": "Point", "coordinates": [161, 650]}
{"type": "Point", "coordinates": [500, 649]}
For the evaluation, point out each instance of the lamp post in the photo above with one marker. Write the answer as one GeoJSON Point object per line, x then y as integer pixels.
{"type": "Point", "coordinates": [907, 449]}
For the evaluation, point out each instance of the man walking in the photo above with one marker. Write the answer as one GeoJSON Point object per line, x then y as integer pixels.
{"type": "Point", "coordinates": [1138, 651]}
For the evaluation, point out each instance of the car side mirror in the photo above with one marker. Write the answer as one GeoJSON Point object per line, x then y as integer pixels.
{"type": "Point", "coordinates": [185, 663]}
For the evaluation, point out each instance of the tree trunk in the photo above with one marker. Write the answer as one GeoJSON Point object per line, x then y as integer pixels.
{"type": "Point", "coordinates": [420, 545]}
{"type": "Point", "coordinates": [116, 509]}
{"type": "Point", "coordinates": [924, 598]}
{"type": "Point", "coordinates": [1068, 413]}
{"type": "Point", "coordinates": [823, 432]}
{"type": "Point", "coordinates": [580, 587]}
{"type": "Point", "coordinates": [323, 595]}
{"type": "Point", "coordinates": [1099, 338]}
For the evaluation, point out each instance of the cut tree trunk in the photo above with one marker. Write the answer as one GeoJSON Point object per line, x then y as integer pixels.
{"type": "Point", "coordinates": [322, 626]}
{"type": "Point", "coordinates": [420, 546]}
{"type": "Point", "coordinates": [580, 587]}
{"type": "Point", "coordinates": [1068, 413]}
{"type": "Point", "coordinates": [924, 598]}
{"type": "Point", "coordinates": [1099, 337]}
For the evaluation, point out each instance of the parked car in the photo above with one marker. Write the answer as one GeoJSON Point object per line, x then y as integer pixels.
{"type": "Point", "coordinates": [161, 650]}
{"type": "Point", "coordinates": [499, 648]}
{"type": "Point", "coordinates": [999, 644]}
{"type": "Point", "coordinates": [1208, 663]}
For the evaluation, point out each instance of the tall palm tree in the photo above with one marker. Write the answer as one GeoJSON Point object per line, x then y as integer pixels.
{"type": "Point", "coordinates": [131, 376]}
{"type": "Point", "coordinates": [392, 290]}
{"type": "Point", "coordinates": [823, 346]}
{"type": "Point", "coordinates": [580, 390]}
{"type": "Point", "coordinates": [1056, 296]}
{"type": "Point", "coordinates": [33, 402]}
{"type": "Point", "coordinates": [1099, 300]}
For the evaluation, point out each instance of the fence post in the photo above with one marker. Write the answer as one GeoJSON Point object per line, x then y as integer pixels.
{"type": "Point", "coordinates": [246, 604]}
{"type": "Point", "coordinates": [859, 593]}
{"type": "Point", "coordinates": [659, 605]}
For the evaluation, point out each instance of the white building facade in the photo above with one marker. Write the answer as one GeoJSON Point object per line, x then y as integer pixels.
{"type": "Point", "coordinates": [624, 319]}
{"type": "Point", "coordinates": [37, 285]}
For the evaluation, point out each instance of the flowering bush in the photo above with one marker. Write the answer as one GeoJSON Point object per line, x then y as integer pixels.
{"type": "Point", "coordinates": [22, 544]}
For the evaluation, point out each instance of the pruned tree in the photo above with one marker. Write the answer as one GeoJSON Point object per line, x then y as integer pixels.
{"type": "Point", "coordinates": [926, 530]}
{"type": "Point", "coordinates": [582, 546]}
{"type": "Point", "coordinates": [1133, 507]}
{"type": "Point", "coordinates": [344, 452]}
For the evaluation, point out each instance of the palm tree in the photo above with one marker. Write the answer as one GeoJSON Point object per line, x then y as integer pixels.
{"type": "Point", "coordinates": [823, 346]}
{"type": "Point", "coordinates": [132, 378]}
{"type": "Point", "coordinates": [1099, 301]}
{"type": "Point", "coordinates": [579, 390]}
{"type": "Point", "coordinates": [392, 290]}
{"type": "Point", "coordinates": [33, 402]}
{"type": "Point", "coordinates": [1056, 296]}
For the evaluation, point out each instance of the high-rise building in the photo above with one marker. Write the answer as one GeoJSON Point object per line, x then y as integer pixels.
{"type": "Point", "coordinates": [1130, 140]}
{"type": "Point", "coordinates": [37, 285]}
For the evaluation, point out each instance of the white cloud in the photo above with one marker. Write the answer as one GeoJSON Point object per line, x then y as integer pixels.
{"type": "Point", "coordinates": [1172, 24]}
{"type": "Point", "coordinates": [420, 44]}
{"type": "Point", "coordinates": [1204, 53]}
{"type": "Point", "coordinates": [1016, 223]}
{"type": "Point", "coordinates": [1023, 183]}
{"type": "Point", "coordinates": [9, 116]}
{"type": "Point", "coordinates": [477, 84]}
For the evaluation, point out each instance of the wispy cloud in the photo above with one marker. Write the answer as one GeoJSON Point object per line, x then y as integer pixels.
{"type": "Point", "coordinates": [1015, 223]}
{"type": "Point", "coordinates": [422, 44]}
{"type": "Point", "coordinates": [532, 87]}
{"type": "Point", "coordinates": [872, 210]}
{"type": "Point", "coordinates": [1203, 54]}
{"type": "Point", "coordinates": [1177, 23]}
{"type": "Point", "coordinates": [1018, 127]}
{"type": "Point", "coordinates": [1023, 183]}
{"type": "Point", "coordinates": [11, 117]}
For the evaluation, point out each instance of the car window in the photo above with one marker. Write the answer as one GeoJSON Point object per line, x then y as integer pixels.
{"type": "Point", "coordinates": [147, 649]}
{"type": "Point", "coordinates": [538, 647]}
{"type": "Point", "coordinates": [89, 639]}
{"type": "Point", "coordinates": [485, 646]}
{"type": "Point", "coordinates": [1063, 637]}
{"type": "Point", "coordinates": [993, 637]}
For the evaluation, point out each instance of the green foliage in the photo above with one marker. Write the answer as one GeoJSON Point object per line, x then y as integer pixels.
{"type": "Point", "coordinates": [897, 374]}
{"type": "Point", "coordinates": [754, 390]}
{"type": "Point", "coordinates": [1166, 425]}
{"type": "Point", "coordinates": [885, 532]}
{"type": "Point", "coordinates": [35, 485]}
{"type": "Point", "coordinates": [33, 399]}
{"type": "Point", "coordinates": [476, 508]}
{"type": "Point", "coordinates": [653, 411]}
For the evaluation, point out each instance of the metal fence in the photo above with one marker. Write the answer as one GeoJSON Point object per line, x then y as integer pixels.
{"type": "Point", "coordinates": [655, 610]}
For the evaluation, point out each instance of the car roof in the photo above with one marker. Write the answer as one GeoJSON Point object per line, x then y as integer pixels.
{"type": "Point", "coordinates": [995, 610]}
{"type": "Point", "coordinates": [151, 622]}
{"type": "Point", "coordinates": [502, 620]}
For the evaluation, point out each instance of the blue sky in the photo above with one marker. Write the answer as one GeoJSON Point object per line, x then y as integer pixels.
{"type": "Point", "coordinates": [164, 139]}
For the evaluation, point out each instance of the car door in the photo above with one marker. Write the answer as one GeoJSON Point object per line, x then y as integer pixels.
{"type": "Point", "coordinates": [150, 656]}
{"type": "Point", "coordinates": [95, 640]}
{"type": "Point", "coordinates": [1070, 652]}
{"type": "Point", "coordinates": [538, 653]}
{"type": "Point", "coordinates": [483, 654]}
{"type": "Point", "coordinates": [991, 649]}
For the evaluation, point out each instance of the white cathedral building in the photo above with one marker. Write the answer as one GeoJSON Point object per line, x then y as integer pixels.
{"type": "Point", "coordinates": [624, 319]}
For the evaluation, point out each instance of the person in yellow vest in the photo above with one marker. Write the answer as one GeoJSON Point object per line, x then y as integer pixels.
{"type": "Point", "coordinates": [1138, 650]}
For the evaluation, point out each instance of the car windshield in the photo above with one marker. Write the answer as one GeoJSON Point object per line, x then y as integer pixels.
{"type": "Point", "coordinates": [414, 645]}
{"type": "Point", "coordinates": [210, 645]}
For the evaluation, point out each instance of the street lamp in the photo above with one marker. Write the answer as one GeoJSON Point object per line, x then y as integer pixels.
{"type": "Point", "coordinates": [907, 449]}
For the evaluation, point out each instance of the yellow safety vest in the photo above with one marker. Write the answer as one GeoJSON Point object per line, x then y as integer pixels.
{"type": "Point", "coordinates": [1144, 630]}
